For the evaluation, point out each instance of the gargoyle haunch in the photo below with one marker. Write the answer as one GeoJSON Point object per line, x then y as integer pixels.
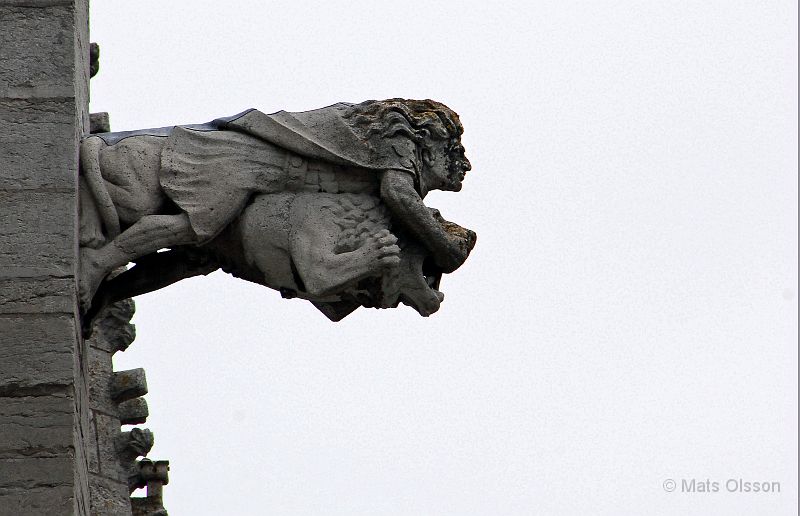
{"type": "Point", "coordinates": [325, 205]}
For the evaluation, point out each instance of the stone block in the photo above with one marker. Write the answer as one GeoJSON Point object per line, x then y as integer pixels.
{"type": "Point", "coordinates": [81, 56]}
{"type": "Point", "coordinates": [35, 486]}
{"type": "Point", "coordinates": [38, 144]}
{"type": "Point", "coordinates": [81, 430]}
{"type": "Point", "coordinates": [108, 432]}
{"type": "Point", "coordinates": [35, 4]}
{"type": "Point", "coordinates": [36, 427]}
{"type": "Point", "coordinates": [133, 412]}
{"type": "Point", "coordinates": [55, 500]}
{"type": "Point", "coordinates": [36, 354]}
{"type": "Point", "coordinates": [100, 370]}
{"type": "Point", "coordinates": [37, 235]}
{"type": "Point", "coordinates": [41, 295]}
{"type": "Point", "coordinates": [33, 472]}
{"type": "Point", "coordinates": [147, 506]}
{"type": "Point", "coordinates": [99, 123]}
{"type": "Point", "coordinates": [92, 459]}
{"type": "Point", "coordinates": [126, 385]}
{"type": "Point", "coordinates": [109, 497]}
{"type": "Point", "coordinates": [44, 426]}
{"type": "Point", "coordinates": [37, 56]}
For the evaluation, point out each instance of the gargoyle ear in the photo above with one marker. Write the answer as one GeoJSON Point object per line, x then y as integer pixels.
{"type": "Point", "coordinates": [427, 157]}
{"type": "Point", "coordinates": [421, 135]}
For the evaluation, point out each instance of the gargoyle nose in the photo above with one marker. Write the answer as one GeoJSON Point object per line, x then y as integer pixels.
{"type": "Point", "coordinates": [466, 165]}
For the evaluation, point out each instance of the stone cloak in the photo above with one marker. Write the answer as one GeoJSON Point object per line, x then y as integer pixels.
{"type": "Point", "coordinates": [210, 171]}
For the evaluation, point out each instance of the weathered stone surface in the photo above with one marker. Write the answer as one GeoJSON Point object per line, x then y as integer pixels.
{"type": "Point", "coordinates": [133, 412]}
{"type": "Point", "coordinates": [133, 444]}
{"type": "Point", "coordinates": [44, 400]}
{"type": "Point", "coordinates": [36, 427]}
{"type": "Point", "coordinates": [35, 354]}
{"type": "Point", "coordinates": [92, 458]}
{"type": "Point", "coordinates": [153, 475]}
{"type": "Point", "coordinates": [55, 500]}
{"type": "Point", "coordinates": [109, 497]}
{"type": "Point", "coordinates": [81, 430]}
{"type": "Point", "coordinates": [80, 81]}
{"type": "Point", "coordinates": [130, 446]}
{"type": "Point", "coordinates": [36, 3]}
{"type": "Point", "coordinates": [100, 374]}
{"type": "Point", "coordinates": [113, 330]}
{"type": "Point", "coordinates": [109, 482]}
{"type": "Point", "coordinates": [36, 235]}
{"type": "Point", "coordinates": [126, 385]}
{"type": "Point", "coordinates": [32, 132]}
{"type": "Point", "coordinates": [147, 507]}
{"type": "Point", "coordinates": [32, 472]}
{"type": "Point", "coordinates": [36, 486]}
{"type": "Point", "coordinates": [99, 123]}
{"type": "Point", "coordinates": [40, 295]}
{"type": "Point", "coordinates": [108, 432]}
{"type": "Point", "coordinates": [36, 51]}
{"type": "Point", "coordinates": [80, 72]}
{"type": "Point", "coordinates": [94, 60]}
{"type": "Point", "coordinates": [117, 451]}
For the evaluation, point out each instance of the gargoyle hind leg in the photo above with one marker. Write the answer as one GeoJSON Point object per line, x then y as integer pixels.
{"type": "Point", "coordinates": [324, 272]}
{"type": "Point", "coordinates": [148, 235]}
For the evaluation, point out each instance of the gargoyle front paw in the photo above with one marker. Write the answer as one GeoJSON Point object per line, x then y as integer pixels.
{"type": "Point", "coordinates": [382, 249]}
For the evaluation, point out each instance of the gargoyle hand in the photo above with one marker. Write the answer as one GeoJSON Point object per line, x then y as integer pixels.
{"type": "Point", "coordinates": [460, 241]}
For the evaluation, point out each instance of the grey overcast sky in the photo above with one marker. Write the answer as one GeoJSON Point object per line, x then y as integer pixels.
{"type": "Point", "coordinates": [628, 316]}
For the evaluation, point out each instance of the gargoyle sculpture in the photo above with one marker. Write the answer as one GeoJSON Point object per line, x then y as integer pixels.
{"type": "Point", "coordinates": [324, 205]}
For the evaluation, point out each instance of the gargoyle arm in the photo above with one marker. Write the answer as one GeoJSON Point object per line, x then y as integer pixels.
{"type": "Point", "coordinates": [399, 194]}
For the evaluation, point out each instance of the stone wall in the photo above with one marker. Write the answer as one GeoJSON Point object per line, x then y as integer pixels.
{"type": "Point", "coordinates": [116, 401]}
{"type": "Point", "coordinates": [44, 413]}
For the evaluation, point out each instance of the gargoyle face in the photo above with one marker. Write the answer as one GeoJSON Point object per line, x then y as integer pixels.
{"type": "Point", "coordinates": [458, 166]}
{"type": "Point", "coordinates": [445, 166]}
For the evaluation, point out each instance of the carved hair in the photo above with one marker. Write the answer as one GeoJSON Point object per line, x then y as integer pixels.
{"type": "Point", "coordinates": [420, 120]}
